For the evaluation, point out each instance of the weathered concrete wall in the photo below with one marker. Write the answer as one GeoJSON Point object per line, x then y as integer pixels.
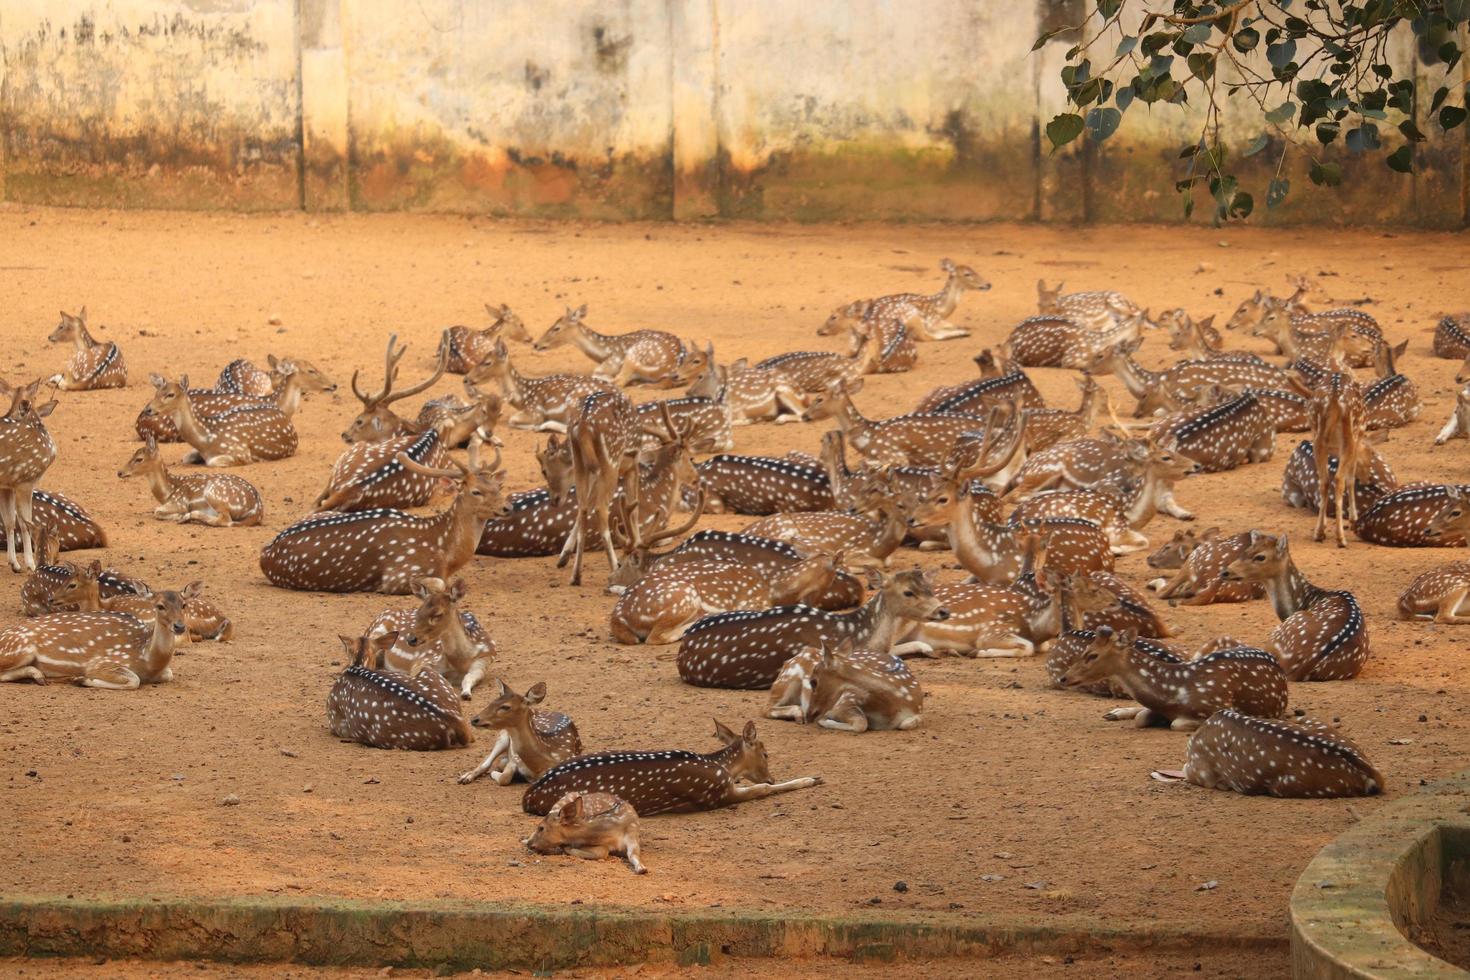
{"type": "Point", "coordinates": [830, 109]}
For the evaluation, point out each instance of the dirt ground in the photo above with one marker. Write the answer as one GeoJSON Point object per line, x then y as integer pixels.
{"type": "Point", "coordinates": [1012, 799]}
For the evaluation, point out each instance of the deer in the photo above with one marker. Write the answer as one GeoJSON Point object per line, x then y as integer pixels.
{"type": "Point", "coordinates": [904, 440]}
{"type": "Point", "coordinates": [528, 742]}
{"type": "Point", "coordinates": [91, 588]}
{"type": "Point", "coordinates": [1221, 437]}
{"type": "Point", "coordinates": [897, 351]}
{"type": "Point", "coordinates": [814, 372]}
{"type": "Point", "coordinates": [932, 323]}
{"type": "Point", "coordinates": [1323, 635]}
{"type": "Point", "coordinates": [1252, 309]}
{"type": "Point", "coordinates": [639, 357]}
{"type": "Point", "coordinates": [590, 826]}
{"type": "Point", "coordinates": [1083, 607]}
{"type": "Point", "coordinates": [1098, 309]}
{"type": "Point", "coordinates": [543, 404]}
{"type": "Point", "coordinates": [469, 346]}
{"type": "Point", "coordinates": [26, 453]}
{"type": "Point", "coordinates": [1275, 757]}
{"type": "Point", "coordinates": [973, 397]}
{"type": "Point", "coordinates": [847, 690]}
{"type": "Point", "coordinates": [55, 588]}
{"type": "Point", "coordinates": [1439, 594]}
{"type": "Point", "coordinates": [1198, 561]}
{"type": "Point", "coordinates": [214, 499]}
{"type": "Point", "coordinates": [1299, 488]}
{"type": "Point", "coordinates": [1416, 515]}
{"type": "Point", "coordinates": [1083, 464]}
{"type": "Point", "coordinates": [1062, 341]}
{"type": "Point", "coordinates": [1290, 411]}
{"type": "Point", "coordinates": [1392, 401]}
{"type": "Point", "coordinates": [1045, 427]}
{"type": "Point", "coordinates": [862, 538]}
{"type": "Point", "coordinates": [417, 712]}
{"type": "Point", "coordinates": [377, 420]}
{"type": "Point", "coordinates": [983, 621]}
{"type": "Point", "coordinates": [669, 781]}
{"type": "Point", "coordinates": [66, 521]}
{"type": "Point", "coordinates": [1452, 337]}
{"type": "Point", "coordinates": [604, 443]}
{"type": "Point", "coordinates": [109, 650]}
{"type": "Point", "coordinates": [1458, 426]}
{"type": "Point", "coordinates": [445, 637]}
{"type": "Point", "coordinates": [745, 649]}
{"type": "Point", "coordinates": [670, 597]}
{"type": "Point", "coordinates": [760, 485]}
{"type": "Point", "coordinates": [288, 380]}
{"type": "Point", "coordinates": [750, 394]}
{"type": "Point", "coordinates": [1317, 335]}
{"type": "Point", "coordinates": [1338, 433]}
{"type": "Point", "coordinates": [94, 364]}
{"type": "Point", "coordinates": [1198, 340]}
{"type": "Point", "coordinates": [702, 422]}
{"type": "Point", "coordinates": [242, 377]}
{"type": "Point", "coordinates": [235, 437]}
{"type": "Point", "coordinates": [1182, 694]}
{"type": "Point", "coordinates": [367, 475]}
{"type": "Point", "coordinates": [387, 550]}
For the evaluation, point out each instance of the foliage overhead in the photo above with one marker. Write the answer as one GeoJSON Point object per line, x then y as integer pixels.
{"type": "Point", "coordinates": [1314, 72]}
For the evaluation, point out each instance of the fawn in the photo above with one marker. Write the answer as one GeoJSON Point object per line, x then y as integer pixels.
{"type": "Point", "coordinates": [750, 394]}
{"type": "Point", "coordinates": [590, 826]}
{"type": "Point", "coordinates": [419, 712]}
{"type": "Point", "coordinates": [448, 639]}
{"type": "Point", "coordinates": [847, 690]}
{"type": "Point", "coordinates": [1199, 560]}
{"type": "Point", "coordinates": [216, 499]}
{"type": "Point", "coordinates": [110, 650]}
{"type": "Point", "coordinates": [94, 364]}
{"type": "Point", "coordinates": [529, 741]}
{"type": "Point", "coordinates": [639, 357]}
{"type": "Point", "coordinates": [669, 781]}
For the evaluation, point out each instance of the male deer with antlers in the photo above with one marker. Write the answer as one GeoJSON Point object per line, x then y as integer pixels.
{"type": "Point", "coordinates": [377, 420]}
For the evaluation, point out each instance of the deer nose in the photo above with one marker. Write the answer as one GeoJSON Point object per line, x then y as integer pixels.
{"type": "Point", "coordinates": [939, 615]}
{"type": "Point", "coordinates": [179, 629]}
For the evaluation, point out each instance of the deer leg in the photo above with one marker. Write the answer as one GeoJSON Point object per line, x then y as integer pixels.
{"type": "Point", "coordinates": [759, 791]}
{"type": "Point", "coordinates": [109, 675]}
{"type": "Point", "coordinates": [1168, 588]}
{"type": "Point", "coordinates": [1125, 714]}
{"type": "Point", "coordinates": [29, 672]}
{"type": "Point", "coordinates": [595, 853]}
{"type": "Point", "coordinates": [913, 648]}
{"type": "Point", "coordinates": [1170, 506]}
{"type": "Point", "coordinates": [1012, 646]}
{"type": "Point", "coordinates": [473, 676]}
{"type": "Point", "coordinates": [8, 518]}
{"type": "Point", "coordinates": [502, 744]}
{"type": "Point", "coordinates": [1449, 607]}
{"type": "Point", "coordinates": [27, 519]}
{"type": "Point", "coordinates": [846, 715]}
{"type": "Point", "coordinates": [630, 849]}
{"type": "Point", "coordinates": [1184, 724]}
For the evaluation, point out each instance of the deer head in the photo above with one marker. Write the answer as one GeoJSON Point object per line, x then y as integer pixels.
{"type": "Point", "coordinates": [308, 376]}
{"type": "Point", "coordinates": [1105, 656]}
{"type": "Point", "coordinates": [1453, 517]}
{"type": "Point", "coordinates": [564, 327]}
{"type": "Point", "coordinates": [748, 760]}
{"type": "Point", "coordinates": [1265, 556]}
{"type": "Point", "coordinates": [144, 460]}
{"type": "Point", "coordinates": [70, 328]}
{"type": "Point", "coordinates": [506, 323]}
{"type": "Point", "coordinates": [968, 278]}
{"type": "Point", "coordinates": [438, 611]}
{"type": "Point", "coordinates": [377, 420]}
{"type": "Point", "coordinates": [168, 396]}
{"type": "Point", "coordinates": [509, 709]}
{"type": "Point", "coordinates": [481, 494]}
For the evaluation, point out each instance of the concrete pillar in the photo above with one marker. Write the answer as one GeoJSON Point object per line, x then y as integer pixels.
{"type": "Point", "coordinates": [324, 127]}
{"type": "Point", "coordinates": [695, 42]}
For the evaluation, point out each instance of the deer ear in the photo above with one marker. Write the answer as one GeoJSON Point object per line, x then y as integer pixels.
{"type": "Point", "coordinates": [571, 809]}
{"type": "Point", "coordinates": [1208, 321]}
{"type": "Point", "coordinates": [537, 693]}
{"type": "Point", "coordinates": [82, 315]}
{"type": "Point", "coordinates": [421, 588]}
{"type": "Point", "coordinates": [1209, 533]}
{"type": "Point", "coordinates": [581, 311]}
{"type": "Point", "coordinates": [95, 568]}
{"type": "Point", "coordinates": [1127, 637]}
{"type": "Point", "coordinates": [500, 689]}
{"type": "Point", "coordinates": [724, 734]}
{"type": "Point", "coordinates": [158, 380]}
{"type": "Point", "coordinates": [193, 590]}
{"type": "Point", "coordinates": [47, 408]}
{"type": "Point", "coordinates": [853, 387]}
{"type": "Point", "coordinates": [349, 643]}
{"type": "Point", "coordinates": [748, 735]}
{"type": "Point", "coordinates": [457, 590]}
{"type": "Point", "coordinates": [270, 359]}
{"type": "Point", "coordinates": [385, 641]}
{"type": "Point", "coordinates": [184, 381]}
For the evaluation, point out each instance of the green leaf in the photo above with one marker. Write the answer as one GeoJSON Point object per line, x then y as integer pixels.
{"type": "Point", "coordinates": [1126, 45]}
{"type": "Point", "coordinates": [1281, 55]}
{"type": "Point", "coordinates": [1364, 137]}
{"type": "Point", "coordinates": [1247, 38]}
{"type": "Point", "coordinates": [1281, 113]}
{"type": "Point", "coordinates": [1041, 41]}
{"type": "Point", "coordinates": [1242, 206]}
{"type": "Point", "coordinates": [1102, 123]}
{"type": "Point", "coordinates": [1439, 97]}
{"type": "Point", "coordinates": [1190, 151]}
{"type": "Point", "coordinates": [1326, 174]}
{"type": "Point", "coordinates": [1401, 159]}
{"type": "Point", "coordinates": [1202, 66]}
{"type": "Point", "coordinates": [1411, 131]}
{"type": "Point", "coordinates": [1108, 7]}
{"type": "Point", "coordinates": [1327, 132]}
{"type": "Point", "coordinates": [1063, 129]}
{"type": "Point", "coordinates": [1255, 146]}
{"type": "Point", "coordinates": [1383, 71]}
{"type": "Point", "coordinates": [1277, 191]}
{"type": "Point", "coordinates": [1197, 34]}
{"type": "Point", "coordinates": [1451, 116]}
{"type": "Point", "coordinates": [1124, 99]}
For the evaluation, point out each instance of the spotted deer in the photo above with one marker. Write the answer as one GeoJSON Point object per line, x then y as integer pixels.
{"type": "Point", "coordinates": [897, 350]}
{"type": "Point", "coordinates": [66, 521]}
{"type": "Point", "coordinates": [1198, 561]}
{"type": "Point", "coordinates": [1317, 335]}
{"type": "Point", "coordinates": [920, 440]}
{"type": "Point", "coordinates": [235, 437]}
{"type": "Point", "coordinates": [751, 394]}
{"type": "Point", "coordinates": [1290, 411]}
{"type": "Point", "coordinates": [1322, 636]}
{"type": "Point", "coordinates": [1299, 487]}
{"type": "Point", "coordinates": [26, 453]}
{"type": "Point", "coordinates": [847, 690]}
{"type": "Point", "coordinates": [528, 740]}
{"type": "Point", "coordinates": [1392, 401]}
{"type": "Point", "coordinates": [378, 420]}
{"type": "Point", "coordinates": [468, 346]}
{"type": "Point", "coordinates": [1198, 340]}
{"type": "Point", "coordinates": [671, 780]}
{"type": "Point", "coordinates": [590, 826]}
{"type": "Point", "coordinates": [667, 599]}
{"type": "Point", "coordinates": [91, 588]}
{"type": "Point", "coordinates": [814, 372]}
{"type": "Point", "coordinates": [745, 650]}
{"type": "Point", "coordinates": [760, 485]}
{"type": "Point", "coordinates": [603, 437]}
{"type": "Point", "coordinates": [215, 499]}
{"type": "Point", "coordinates": [974, 397]}
{"type": "Point", "coordinates": [241, 377]}
{"type": "Point", "coordinates": [1221, 437]}
{"type": "Point", "coordinates": [829, 532]}
{"type": "Point", "coordinates": [1253, 309]}
{"type": "Point", "coordinates": [1103, 599]}
{"type": "Point", "coordinates": [387, 550]}
{"type": "Point", "coordinates": [639, 357]}
{"type": "Point", "coordinates": [1182, 694]}
{"type": "Point", "coordinates": [544, 404]}
{"type": "Point", "coordinates": [1458, 426]}
{"type": "Point", "coordinates": [1452, 337]}
{"type": "Point", "coordinates": [53, 588]}
{"type": "Point", "coordinates": [538, 521]}
{"type": "Point", "coordinates": [934, 310]}
{"type": "Point", "coordinates": [110, 650]}
{"type": "Point", "coordinates": [983, 621]}
{"type": "Point", "coordinates": [438, 632]}
{"type": "Point", "coordinates": [1338, 434]}
{"type": "Point", "coordinates": [702, 422]}
{"type": "Point", "coordinates": [94, 364]}
{"type": "Point", "coordinates": [1098, 309]}
{"type": "Point", "coordinates": [1275, 757]}
{"type": "Point", "coordinates": [1083, 464]}
{"type": "Point", "coordinates": [1075, 638]}
{"type": "Point", "coordinates": [1045, 427]}
{"type": "Point", "coordinates": [1064, 342]}
{"type": "Point", "coordinates": [288, 381]}
{"type": "Point", "coordinates": [417, 712]}
{"type": "Point", "coordinates": [1439, 594]}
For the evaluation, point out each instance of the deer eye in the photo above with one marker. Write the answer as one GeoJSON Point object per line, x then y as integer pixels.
{"type": "Point", "coordinates": [909, 594]}
{"type": "Point", "coordinates": [1090, 657]}
{"type": "Point", "coordinates": [1259, 558]}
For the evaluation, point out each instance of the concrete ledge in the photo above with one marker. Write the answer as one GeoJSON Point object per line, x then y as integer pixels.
{"type": "Point", "coordinates": [1351, 905]}
{"type": "Point", "coordinates": [504, 936]}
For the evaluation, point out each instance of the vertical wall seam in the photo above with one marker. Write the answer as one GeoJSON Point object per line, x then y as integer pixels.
{"type": "Point", "coordinates": [300, 111]}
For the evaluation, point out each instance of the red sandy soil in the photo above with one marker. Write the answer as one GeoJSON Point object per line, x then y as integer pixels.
{"type": "Point", "coordinates": [120, 793]}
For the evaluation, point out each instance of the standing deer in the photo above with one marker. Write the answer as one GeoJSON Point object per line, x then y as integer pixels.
{"type": "Point", "coordinates": [1299, 488]}
{"type": "Point", "coordinates": [1322, 636]}
{"type": "Point", "coordinates": [1275, 757]}
{"type": "Point", "coordinates": [590, 826]}
{"type": "Point", "coordinates": [446, 638]}
{"type": "Point", "coordinates": [604, 442]}
{"type": "Point", "coordinates": [669, 781]}
{"type": "Point", "coordinates": [529, 741]}
{"type": "Point", "coordinates": [745, 650]}
{"type": "Point", "coordinates": [387, 550]}
{"type": "Point", "coordinates": [110, 650]}
{"type": "Point", "coordinates": [847, 690]}
{"type": "Point", "coordinates": [1338, 432]}
{"type": "Point", "coordinates": [216, 499]}
{"type": "Point", "coordinates": [419, 712]}
{"type": "Point", "coordinates": [642, 356]}
{"type": "Point", "coordinates": [377, 420]}
{"type": "Point", "coordinates": [26, 453]}
{"type": "Point", "coordinates": [246, 434]}
{"type": "Point", "coordinates": [468, 346]}
{"type": "Point", "coordinates": [94, 364]}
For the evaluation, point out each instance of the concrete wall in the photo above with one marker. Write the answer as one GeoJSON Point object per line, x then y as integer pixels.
{"type": "Point", "coordinates": [829, 109]}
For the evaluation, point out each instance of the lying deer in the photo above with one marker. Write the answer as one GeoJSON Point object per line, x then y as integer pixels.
{"type": "Point", "coordinates": [1452, 337]}
{"type": "Point", "coordinates": [66, 521]}
{"type": "Point", "coordinates": [387, 550]}
{"type": "Point", "coordinates": [1458, 426]}
{"type": "Point", "coordinates": [529, 741]}
{"type": "Point", "coordinates": [669, 781]}
{"type": "Point", "coordinates": [702, 422]}
{"type": "Point", "coordinates": [974, 397]}
{"type": "Point", "coordinates": [1438, 593]}
{"type": "Point", "coordinates": [94, 364]}
{"type": "Point", "coordinates": [745, 650]}
{"type": "Point", "coordinates": [447, 638]}
{"type": "Point", "coordinates": [1299, 487]}
{"type": "Point", "coordinates": [242, 377]}
{"type": "Point", "coordinates": [1199, 560]}
{"type": "Point", "coordinates": [247, 434]}
{"type": "Point", "coordinates": [1083, 464]}
{"type": "Point", "coordinates": [760, 485]}
{"type": "Point", "coordinates": [830, 532]}
{"type": "Point", "coordinates": [847, 690]}
{"type": "Point", "coordinates": [1182, 694]}
{"type": "Point", "coordinates": [1098, 309]}
{"type": "Point", "coordinates": [288, 381]}
{"type": "Point", "coordinates": [91, 588]}
{"type": "Point", "coordinates": [813, 372]}
{"type": "Point", "coordinates": [1322, 636]}
{"type": "Point", "coordinates": [543, 404]}
{"type": "Point", "coordinates": [419, 712]}
{"type": "Point", "coordinates": [1252, 309]}
{"type": "Point", "coordinates": [751, 394]}
{"type": "Point", "coordinates": [1062, 341]}
{"type": "Point", "coordinates": [109, 650]}
{"type": "Point", "coordinates": [904, 440]}
{"type": "Point", "coordinates": [468, 346]}
{"type": "Point", "coordinates": [892, 335]}
{"type": "Point", "coordinates": [1417, 515]}
{"type": "Point", "coordinates": [934, 311]}
{"type": "Point", "coordinates": [58, 587]}
{"type": "Point", "coordinates": [216, 499]}
{"type": "Point", "coordinates": [590, 826]}
{"type": "Point", "coordinates": [642, 356]}
{"type": "Point", "coordinates": [1221, 437]}
{"type": "Point", "coordinates": [26, 453]}
{"type": "Point", "coordinates": [1275, 757]}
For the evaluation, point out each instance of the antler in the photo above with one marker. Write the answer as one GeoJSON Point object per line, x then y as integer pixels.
{"type": "Point", "coordinates": [387, 398]}
{"type": "Point", "coordinates": [390, 370]}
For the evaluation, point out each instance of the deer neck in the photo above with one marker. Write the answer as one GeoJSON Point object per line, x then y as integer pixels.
{"type": "Point", "coordinates": [460, 529]}
{"type": "Point", "coordinates": [1141, 507]}
{"type": "Point", "coordinates": [512, 385]}
{"type": "Point", "coordinates": [188, 423]}
{"type": "Point", "coordinates": [83, 341]}
{"type": "Point", "coordinates": [161, 482]}
{"type": "Point", "coordinates": [160, 649]}
{"type": "Point", "coordinates": [889, 531]}
{"type": "Point", "coordinates": [1134, 376]}
{"type": "Point", "coordinates": [875, 626]}
{"type": "Point", "coordinates": [943, 303]}
{"type": "Point", "coordinates": [727, 757]}
{"type": "Point", "coordinates": [856, 429]}
{"type": "Point", "coordinates": [595, 345]}
{"type": "Point", "coordinates": [986, 550]}
{"type": "Point", "coordinates": [1066, 604]}
{"type": "Point", "coordinates": [1147, 678]}
{"type": "Point", "coordinates": [288, 397]}
{"type": "Point", "coordinates": [1289, 590]}
{"type": "Point", "coordinates": [456, 642]}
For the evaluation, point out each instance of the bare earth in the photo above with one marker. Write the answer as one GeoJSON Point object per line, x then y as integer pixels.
{"type": "Point", "coordinates": [119, 793]}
